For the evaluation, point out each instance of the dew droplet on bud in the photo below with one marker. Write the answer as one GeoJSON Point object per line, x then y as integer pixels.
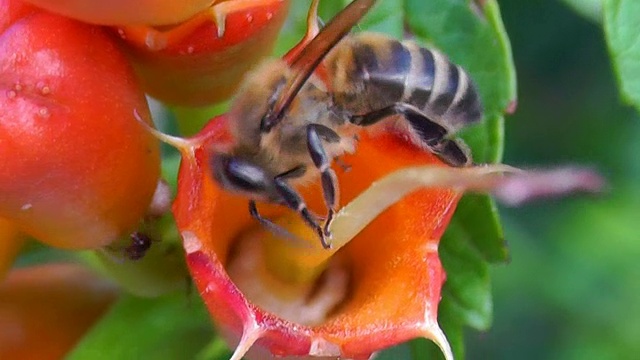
{"type": "Point", "coordinates": [17, 87]}
{"type": "Point", "coordinates": [249, 17]}
{"type": "Point", "coordinates": [211, 288]}
{"type": "Point", "coordinates": [44, 89]}
{"type": "Point", "coordinates": [44, 112]}
{"type": "Point", "coordinates": [11, 94]}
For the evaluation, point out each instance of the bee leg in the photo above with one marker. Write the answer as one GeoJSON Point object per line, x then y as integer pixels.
{"type": "Point", "coordinates": [429, 131]}
{"type": "Point", "coordinates": [321, 160]}
{"type": "Point", "coordinates": [432, 134]}
{"type": "Point", "coordinates": [453, 152]}
{"type": "Point", "coordinates": [273, 227]}
{"type": "Point", "coordinates": [295, 202]}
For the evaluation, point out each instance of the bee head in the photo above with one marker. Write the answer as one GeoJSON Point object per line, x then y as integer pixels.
{"type": "Point", "coordinates": [259, 91]}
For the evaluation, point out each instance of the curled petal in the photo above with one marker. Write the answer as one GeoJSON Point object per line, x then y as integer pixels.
{"type": "Point", "coordinates": [387, 191]}
{"type": "Point", "coordinates": [536, 184]}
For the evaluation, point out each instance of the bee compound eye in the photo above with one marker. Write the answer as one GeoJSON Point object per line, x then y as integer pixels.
{"type": "Point", "coordinates": [237, 174]}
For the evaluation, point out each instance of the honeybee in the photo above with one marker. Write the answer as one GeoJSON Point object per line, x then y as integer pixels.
{"type": "Point", "coordinates": [289, 124]}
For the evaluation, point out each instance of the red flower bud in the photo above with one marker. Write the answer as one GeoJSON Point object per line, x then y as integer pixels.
{"type": "Point", "coordinates": [121, 12]}
{"type": "Point", "coordinates": [202, 60]}
{"type": "Point", "coordinates": [78, 169]}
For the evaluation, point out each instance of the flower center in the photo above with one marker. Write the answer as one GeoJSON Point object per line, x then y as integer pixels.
{"type": "Point", "coordinates": [296, 282]}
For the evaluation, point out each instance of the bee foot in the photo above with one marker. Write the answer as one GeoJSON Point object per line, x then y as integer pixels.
{"type": "Point", "coordinates": [325, 237]}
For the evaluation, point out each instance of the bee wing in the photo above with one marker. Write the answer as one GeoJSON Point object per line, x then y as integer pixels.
{"type": "Point", "coordinates": [310, 57]}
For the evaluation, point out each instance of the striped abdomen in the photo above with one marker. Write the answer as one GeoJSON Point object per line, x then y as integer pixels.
{"type": "Point", "coordinates": [370, 71]}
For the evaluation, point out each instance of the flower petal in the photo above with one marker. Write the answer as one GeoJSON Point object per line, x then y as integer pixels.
{"type": "Point", "coordinates": [395, 273]}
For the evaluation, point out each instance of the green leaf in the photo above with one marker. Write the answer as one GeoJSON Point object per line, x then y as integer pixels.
{"type": "Point", "coordinates": [216, 349]}
{"type": "Point", "coordinates": [384, 17]}
{"type": "Point", "coordinates": [466, 295]}
{"type": "Point", "coordinates": [190, 120]}
{"type": "Point", "coordinates": [294, 27]}
{"type": "Point", "coordinates": [35, 253]}
{"type": "Point", "coordinates": [475, 39]}
{"type": "Point", "coordinates": [175, 326]}
{"type": "Point", "coordinates": [402, 351]}
{"type": "Point", "coordinates": [590, 9]}
{"type": "Point", "coordinates": [477, 219]}
{"type": "Point", "coordinates": [622, 30]}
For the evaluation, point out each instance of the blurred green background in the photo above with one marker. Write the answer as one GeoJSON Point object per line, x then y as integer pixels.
{"type": "Point", "coordinates": [572, 289]}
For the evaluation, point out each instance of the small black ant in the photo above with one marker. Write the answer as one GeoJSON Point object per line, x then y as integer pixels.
{"type": "Point", "coordinates": [140, 244]}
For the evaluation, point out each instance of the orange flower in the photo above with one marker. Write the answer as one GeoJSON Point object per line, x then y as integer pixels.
{"type": "Point", "coordinates": [381, 283]}
{"type": "Point", "coordinates": [381, 289]}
